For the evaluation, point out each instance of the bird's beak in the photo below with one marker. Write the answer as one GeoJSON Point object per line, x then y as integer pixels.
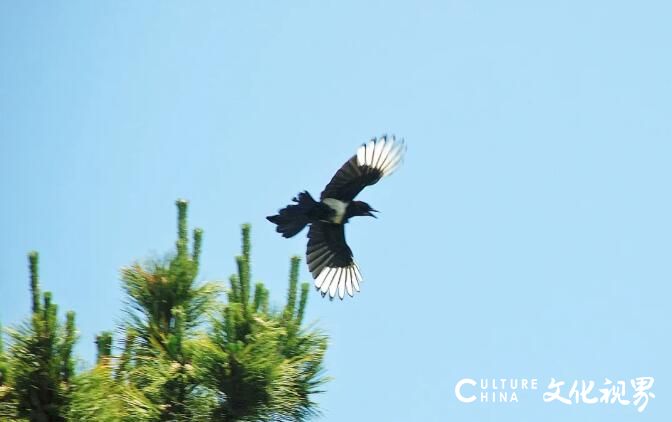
{"type": "Point", "coordinates": [372, 215]}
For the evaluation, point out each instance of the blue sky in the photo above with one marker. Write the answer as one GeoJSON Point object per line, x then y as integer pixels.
{"type": "Point", "coordinates": [526, 236]}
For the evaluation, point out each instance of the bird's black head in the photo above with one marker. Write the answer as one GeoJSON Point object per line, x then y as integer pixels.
{"type": "Point", "coordinates": [360, 208]}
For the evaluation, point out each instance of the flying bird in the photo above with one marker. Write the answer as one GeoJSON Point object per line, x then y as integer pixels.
{"type": "Point", "coordinates": [328, 256]}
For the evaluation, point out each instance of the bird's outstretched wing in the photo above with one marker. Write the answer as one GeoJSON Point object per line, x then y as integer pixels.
{"type": "Point", "coordinates": [330, 260]}
{"type": "Point", "coordinates": [374, 160]}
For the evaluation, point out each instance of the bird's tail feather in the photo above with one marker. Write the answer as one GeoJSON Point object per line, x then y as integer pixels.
{"type": "Point", "coordinates": [293, 218]}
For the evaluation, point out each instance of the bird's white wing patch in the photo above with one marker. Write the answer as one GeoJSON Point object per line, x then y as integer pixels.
{"type": "Point", "coordinates": [334, 283]}
{"type": "Point", "coordinates": [384, 154]}
{"type": "Point", "coordinates": [328, 277]}
{"type": "Point", "coordinates": [370, 147]}
{"type": "Point", "coordinates": [378, 151]}
{"type": "Point", "coordinates": [361, 155]}
{"type": "Point", "coordinates": [348, 286]}
{"type": "Point", "coordinates": [338, 281]}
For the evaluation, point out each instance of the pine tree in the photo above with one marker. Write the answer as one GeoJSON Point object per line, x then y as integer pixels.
{"type": "Point", "coordinates": [262, 365]}
{"type": "Point", "coordinates": [4, 365]}
{"type": "Point", "coordinates": [245, 362]}
{"type": "Point", "coordinates": [7, 399]}
{"type": "Point", "coordinates": [166, 308]}
{"type": "Point", "coordinates": [41, 358]}
{"type": "Point", "coordinates": [98, 397]}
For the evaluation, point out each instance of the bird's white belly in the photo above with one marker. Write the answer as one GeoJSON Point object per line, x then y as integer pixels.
{"type": "Point", "coordinates": [339, 208]}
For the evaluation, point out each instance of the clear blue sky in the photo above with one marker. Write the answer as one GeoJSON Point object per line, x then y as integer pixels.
{"type": "Point", "coordinates": [528, 233]}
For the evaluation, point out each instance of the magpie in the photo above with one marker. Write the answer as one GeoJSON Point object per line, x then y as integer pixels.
{"type": "Point", "coordinates": [328, 256]}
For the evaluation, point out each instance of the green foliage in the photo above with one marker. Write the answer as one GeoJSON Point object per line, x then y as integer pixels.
{"type": "Point", "coordinates": [182, 355]}
{"type": "Point", "coordinates": [97, 397]}
{"type": "Point", "coordinates": [4, 365]}
{"type": "Point", "coordinates": [7, 401]}
{"type": "Point", "coordinates": [41, 359]}
{"type": "Point", "coordinates": [103, 347]}
{"type": "Point", "coordinates": [166, 306]}
{"type": "Point", "coordinates": [262, 366]}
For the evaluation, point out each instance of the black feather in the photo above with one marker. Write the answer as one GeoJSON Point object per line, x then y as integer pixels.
{"type": "Point", "coordinates": [293, 218]}
{"type": "Point", "coordinates": [328, 256]}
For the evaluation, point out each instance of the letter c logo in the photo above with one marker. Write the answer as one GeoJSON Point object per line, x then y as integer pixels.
{"type": "Point", "coordinates": [458, 388]}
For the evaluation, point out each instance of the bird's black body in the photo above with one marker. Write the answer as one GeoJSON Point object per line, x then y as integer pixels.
{"type": "Point", "coordinates": [329, 257]}
{"type": "Point", "coordinates": [293, 218]}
